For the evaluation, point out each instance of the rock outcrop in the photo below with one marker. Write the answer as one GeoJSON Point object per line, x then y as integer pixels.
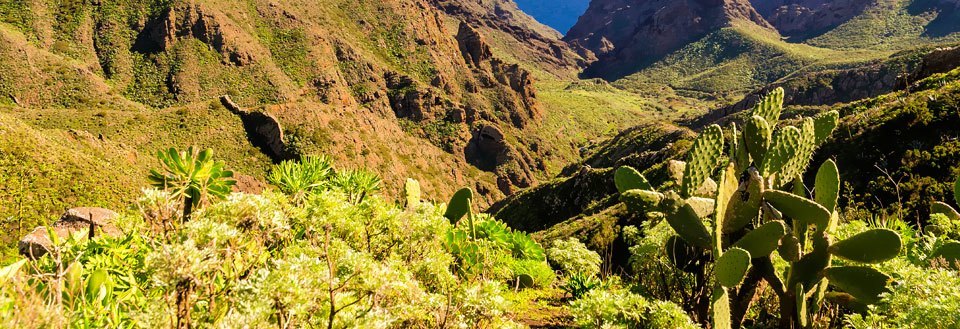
{"type": "Point", "coordinates": [533, 42]}
{"type": "Point", "coordinates": [489, 150]}
{"type": "Point", "coordinates": [263, 130]}
{"type": "Point", "coordinates": [92, 222]}
{"type": "Point", "coordinates": [627, 34]}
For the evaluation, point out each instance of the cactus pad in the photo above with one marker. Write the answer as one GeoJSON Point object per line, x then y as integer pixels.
{"type": "Point", "coordinates": [702, 159]}
{"type": "Point", "coordinates": [726, 191]}
{"type": "Point", "coordinates": [827, 186]}
{"type": "Point", "coordinates": [763, 240]}
{"type": "Point", "coordinates": [789, 248]}
{"type": "Point", "coordinates": [459, 205]}
{"type": "Point", "coordinates": [770, 106]}
{"type": "Point", "coordinates": [411, 193]}
{"type": "Point", "coordinates": [873, 246]}
{"type": "Point", "coordinates": [785, 145]}
{"type": "Point", "coordinates": [524, 281]}
{"type": "Point", "coordinates": [801, 306]}
{"type": "Point", "coordinates": [720, 304]}
{"type": "Point", "coordinates": [863, 283]}
{"type": "Point", "coordinates": [950, 252]}
{"type": "Point", "coordinates": [689, 226]}
{"type": "Point", "coordinates": [640, 201]}
{"type": "Point", "coordinates": [626, 178]}
{"type": "Point", "coordinates": [824, 124]}
{"type": "Point", "coordinates": [757, 135]}
{"type": "Point", "coordinates": [745, 204]}
{"type": "Point", "coordinates": [945, 209]}
{"type": "Point", "coordinates": [799, 209]}
{"type": "Point", "coordinates": [731, 267]}
{"type": "Point", "coordinates": [675, 169]}
{"type": "Point", "coordinates": [798, 163]}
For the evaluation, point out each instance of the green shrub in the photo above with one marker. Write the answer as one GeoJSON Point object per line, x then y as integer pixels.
{"type": "Point", "coordinates": [571, 257]}
{"type": "Point", "coordinates": [192, 176]}
{"type": "Point", "coordinates": [922, 298]}
{"type": "Point", "coordinates": [299, 178]}
{"type": "Point", "coordinates": [601, 308]}
{"type": "Point", "coordinates": [356, 184]}
{"type": "Point", "coordinates": [580, 284]}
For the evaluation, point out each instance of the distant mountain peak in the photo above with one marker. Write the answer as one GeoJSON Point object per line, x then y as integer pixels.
{"type": "Point", "coordinates": [627, 33]}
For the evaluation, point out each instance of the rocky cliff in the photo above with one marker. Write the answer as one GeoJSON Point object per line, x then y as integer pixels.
{"type": "Point", "coordinates": [625, 35]}
{"type": "Point", "coordinates": [807, 18]}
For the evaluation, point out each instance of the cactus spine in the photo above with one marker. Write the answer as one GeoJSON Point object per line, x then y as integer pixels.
{"type": "Point", "coordinates": [753, 216]}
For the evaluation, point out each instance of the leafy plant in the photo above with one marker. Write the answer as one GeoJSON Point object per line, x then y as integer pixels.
{"type": "Point", "coordinates": [357, 184]}
{"type": "Point", "coordinates": [571, 257]}
{"type": "Point", "coordinates": [601, 308]}
{"type": "Point", "coordinates": [193, 176]}
{"type": "Point", "coordinates": [579, 284]}
{"type": "Point", "coordinates": [300, 178]}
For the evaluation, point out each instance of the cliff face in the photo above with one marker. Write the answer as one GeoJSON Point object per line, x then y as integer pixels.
{"type": "Point", "coordinates": [625, 34]}
{"type": "Point", "coordinates": [518, 33]}
{"type": "Point", "coordinates": [807, 18]}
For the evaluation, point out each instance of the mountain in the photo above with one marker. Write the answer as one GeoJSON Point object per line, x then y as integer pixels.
{"type": "Point", "coordinates": [560, 15]}
{"type": "Point", "coordinates": [627, 35]}
{"type": "Point", "coordinates": [751, 44]}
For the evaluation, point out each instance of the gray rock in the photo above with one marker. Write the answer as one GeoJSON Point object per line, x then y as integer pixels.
{"type": "Point", "coordinates": [93, 221]}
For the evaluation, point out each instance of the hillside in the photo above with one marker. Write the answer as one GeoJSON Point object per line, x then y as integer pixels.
{"type": "Point", "coordinates": [402, 87]}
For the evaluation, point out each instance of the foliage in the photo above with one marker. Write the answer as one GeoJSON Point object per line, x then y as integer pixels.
{"type": "Point", "coordinates": [265, 261]}
{"type": "Point", "coordinates": [298, 179]}
{"type": "Point", "coordinates": [620, 308]}
{"type": "Point", "coordinates": [579, 284]}
{"type": "Point", "coordinates": [356, 184]}
{"type": "Point", "coordinates": [571, 257]}
{"type": "Point", "coordinates": [192, 176]}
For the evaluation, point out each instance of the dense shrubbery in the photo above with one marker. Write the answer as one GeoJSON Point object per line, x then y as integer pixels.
{"type": "Point", "coordinates": [319, 257]}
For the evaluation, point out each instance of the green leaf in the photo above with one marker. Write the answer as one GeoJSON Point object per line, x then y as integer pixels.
{"type": "Point", "coordinates": [864, 283]}
{"type": "Point", "coordinates": [626, 178]}
{"type": "Point", "coordinates": [8, 272]}
{"type": "Point", "coordinates": [745, 204]}
{"type": "Point", "coordinates": [731, 267]}
{"type": "Point", "coordinates": [950, 252]}
{"type": "Point", "coordinates": [763, 240]}
{"type": "Point", "coordinates": [873, 246]}
{"type": "Point", "coordinates": [785, 145]}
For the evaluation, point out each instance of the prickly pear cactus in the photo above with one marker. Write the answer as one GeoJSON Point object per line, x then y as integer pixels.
{"type": "Point", "coordinates": [748, 216]}
{"type": "Point", "coordinates": [702, 159]}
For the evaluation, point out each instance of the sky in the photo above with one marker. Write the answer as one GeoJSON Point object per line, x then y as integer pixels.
{"type": "Point", "coordinates": [558, 14]}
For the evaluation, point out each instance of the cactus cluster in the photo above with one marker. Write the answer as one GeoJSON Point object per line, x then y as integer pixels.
{"type": "Point", "coordinates": [738, 223]}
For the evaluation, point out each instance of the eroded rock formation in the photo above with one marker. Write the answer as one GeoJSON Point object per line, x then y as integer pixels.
{"type": "Point", "coordinates": [86, 221]}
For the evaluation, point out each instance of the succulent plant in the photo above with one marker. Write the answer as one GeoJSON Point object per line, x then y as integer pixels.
{"type": "Point", "coordinates": [192, 175]}
{"type": "Point", "coordinates": [760, 206]}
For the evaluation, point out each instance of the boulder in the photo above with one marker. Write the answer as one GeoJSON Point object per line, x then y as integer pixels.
{"type": "Point", "coordinates": [93, 221]}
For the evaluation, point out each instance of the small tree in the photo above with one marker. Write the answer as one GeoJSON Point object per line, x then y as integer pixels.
{"type": "Point", "coordinates": [192, 176]}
